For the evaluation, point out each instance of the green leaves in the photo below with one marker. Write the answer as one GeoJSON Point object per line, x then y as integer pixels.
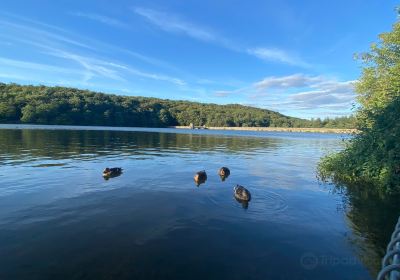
{"type": "Point", "coordinates": [373, 156]}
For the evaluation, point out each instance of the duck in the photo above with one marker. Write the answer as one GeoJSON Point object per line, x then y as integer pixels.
{"type": "Point", "coordinates": [224, 173]}
{"type": "Point", "coordinates": [200, 177]}
{"type": "Point", "coordinates": [112, 172]}
{"type": "Point", "coordinates": [241, 193]}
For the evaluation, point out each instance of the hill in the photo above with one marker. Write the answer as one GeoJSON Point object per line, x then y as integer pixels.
{"type": "Point", "coordinates": [71, 106]}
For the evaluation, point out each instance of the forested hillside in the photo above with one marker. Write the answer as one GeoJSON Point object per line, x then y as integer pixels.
{"type": "Point", "coordinates": [70, 106]}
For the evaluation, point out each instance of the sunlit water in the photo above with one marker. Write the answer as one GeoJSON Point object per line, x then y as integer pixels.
{"type": "Point", "coordinates": [59, 218]}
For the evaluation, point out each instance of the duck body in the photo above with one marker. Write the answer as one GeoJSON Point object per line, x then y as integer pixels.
{"type": "Point", "coordinates": [110, 172]}
{"type": "Point", "coordinates": [241, 193]}
{"type": "Point", "coordinates": [200, 177]}
{"type": "Point", "coordinates": [224, 172]}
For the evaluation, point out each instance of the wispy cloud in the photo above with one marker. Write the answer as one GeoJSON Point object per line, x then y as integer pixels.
{"type": "Point", "coordinates": [56, 42]}
{"type": "Point", "coordinates": [93, 67]}
{"type": "Point", "coordinates": [12, 76]}
{"type": "Point", "coordinates": [8, 44]}
{"type": "Point", "coordinates": [35, 66]}
{"type": "Point", "coordinates": [225, 93]}
{"type": "Point", "coordinates": [33, 72]}
{"type": "Point", "coordinates": [222, 93]}
{"type": "Point", "coordinates": [100, 18]}
{"type": "Point", "coordinates": [40, 33]}
{"type": "Point", "coordinates": [110, 69]}
{"type": "Point", "coordinates": [278, 55]}
{"type": "Point", "coordinates": [174, 24]}
{"type": "Point", "coordinates": [153, 76]}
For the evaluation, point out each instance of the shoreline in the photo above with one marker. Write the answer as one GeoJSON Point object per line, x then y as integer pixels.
{"type": "Point", "coordinates": [280, 129]}
{"type": "Point", "coordinates": [260, 129]}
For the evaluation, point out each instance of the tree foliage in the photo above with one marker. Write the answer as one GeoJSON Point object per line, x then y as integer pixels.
{"type": "Point", "coordinates": [69, 106]}
{"type": "Point", "coordinates": [373, 156]}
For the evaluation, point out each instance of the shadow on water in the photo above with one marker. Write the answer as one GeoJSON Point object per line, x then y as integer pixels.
{"type": "Point", "coordinates": [372, 217]}
{"type": "Point", "coordinates": [108, 177]}
{"type": "Point", "coordinates": [199, 182]}
{"type": "Point", "coordinates": [223, 177]}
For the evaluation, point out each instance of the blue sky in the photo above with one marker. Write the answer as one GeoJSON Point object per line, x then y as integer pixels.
{"type": "Point", "coordinates": [294, 57]}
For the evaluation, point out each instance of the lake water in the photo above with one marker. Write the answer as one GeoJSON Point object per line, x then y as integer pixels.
{"type": "Point", "coordinates": [60, 219]}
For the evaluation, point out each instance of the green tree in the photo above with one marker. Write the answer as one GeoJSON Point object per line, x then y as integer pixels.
{"type": "Point", "coordinates": [58, 105]}
{"type": "Point", "coordinates": [373, 156]}
{"type": "Point", "coordinates": [8, 112]}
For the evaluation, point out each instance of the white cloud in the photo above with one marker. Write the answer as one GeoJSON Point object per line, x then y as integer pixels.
{"type": "Point", "coordinates": [304, 92]}
{"type": "Point", "coordinates": [298, 92]}
{"type": "Point", "coordinates": [278, 55]}
{"type": "Point", "coordinates": [296, 80]}
{"type": "Point", "coordinates": [100, 18]}
{"type": "Point", "coordinates": [328, 94]}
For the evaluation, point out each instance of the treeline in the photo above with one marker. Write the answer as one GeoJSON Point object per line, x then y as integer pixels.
{"type": "Point", "coordinates": [339, 122]}
{"type": "Point", "coordinates": [70, 106]}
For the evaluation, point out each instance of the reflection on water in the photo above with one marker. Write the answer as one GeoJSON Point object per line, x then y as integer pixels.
{"type": "Point", "coordinates": [59, 219]}
{"type": "Point", "coordinates": [108, 177]}
{"type": "Point", "coordinates": [371, 217]}
{"type": "Point", "coordinates": [244, 203]}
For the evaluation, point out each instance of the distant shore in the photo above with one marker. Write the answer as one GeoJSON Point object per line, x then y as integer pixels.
{"type": "Point", "coordinates": [280, 129]}
{"type": "Point", "coordinates": [90, 127]}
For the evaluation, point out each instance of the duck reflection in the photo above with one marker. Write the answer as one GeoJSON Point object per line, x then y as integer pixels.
{"type": "Point", "coordinates": [245, 204]}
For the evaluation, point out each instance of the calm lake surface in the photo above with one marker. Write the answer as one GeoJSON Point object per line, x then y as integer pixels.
{"type": "Point", "coordinates": [60, 219]}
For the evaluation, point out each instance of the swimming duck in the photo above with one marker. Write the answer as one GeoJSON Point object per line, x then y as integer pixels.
{"type": "Point", "coordinates": [241, 193]}
{"type": "Point", "coordinates": [200, 177]}
{"type": "Point", "coordinates": [112, 172]}
{"type": "Point", "coordinates": [224, 173]}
